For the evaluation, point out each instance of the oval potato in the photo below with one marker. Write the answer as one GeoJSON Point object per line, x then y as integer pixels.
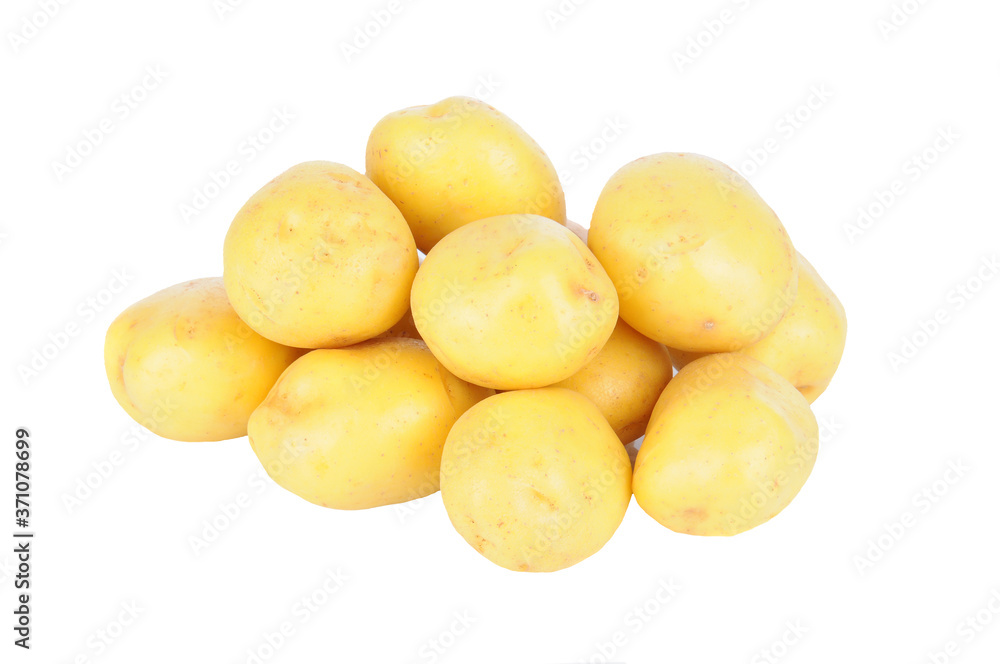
{"type": "Point", "coordinates": [457, 161]}
{"type": "Point", "coordinates": [183, 364]}
{"type": "Point", "coordinates": [319, 258]}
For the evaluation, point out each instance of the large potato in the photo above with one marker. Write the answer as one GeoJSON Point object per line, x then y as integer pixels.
{"type": "Point", "coordinates": [728, 446]}
{"type": "Point", "coordinates": [535, 480]}
{"type": "Point", "coordinates": [624, 380]}
{"type": "Point", "coordinates": [319, 258]}
{"type": "Point", "coordinates": [700, 262]}
{"type": "Point", "coordinates": [183, 364]}
{"type": "Point", "coordinates": [513, 302]}
{"type": "Point", "coordinates": [806, 345]}
{"type": "Point", "coordinates": [457, 161]}
{"type": "Point", "coordinates": [360, 427]}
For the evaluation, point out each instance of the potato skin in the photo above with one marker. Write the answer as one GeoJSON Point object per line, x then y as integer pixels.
{"type": "Point", "coordinates": [457, 161]}
{"type": "Point", "coordinates": [513, 302]}
{"type": "Point", "coordinates": [535, 480]}
{"type": "Point", "coordinates": [729, 445]}
{"type": "Point", "coordinates": [183, 364]}
{"type": "Point", "coordinates": [360, 427]}
{"type": "Point", "coordinates": [700, 262]}
{"type": "Point", "coordinates": [319, 258]}
{"type": "Point", "coordinates": [807, 344]}
{"type": "Point", "coordinates": [624, 380]}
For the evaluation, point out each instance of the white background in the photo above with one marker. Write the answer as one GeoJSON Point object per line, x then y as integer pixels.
{"type": "Point", "coordinates": [793, 588]}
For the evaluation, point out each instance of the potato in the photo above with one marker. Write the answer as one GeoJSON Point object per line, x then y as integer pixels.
{"type": "Point", "coordinates": [513, 302]}
{"type": "Point", "coordinates": [624, 380]}
{"type": "Point", "coordinates": [728, 446]}
{"type": "Point", "coordinates": [535, 480]}
{"type": "Point", "coordinates": [457, 161]}
{"type": "Point", "coordinates": [806, 345]}
{"type": "Point", "coordinates": [319, 258]}
{"type": "Point", "coordinates": [183, 364]}
{"type": "Point", "coordinates": [404, 328]}
{"type": "Point", "coordinates": [360, 427]}
{"type": "Point", "coordinates": [700, 262]}
{"type": "Point", "coordinates": [579, 230]}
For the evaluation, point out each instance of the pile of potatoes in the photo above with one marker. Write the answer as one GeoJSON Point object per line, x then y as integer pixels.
{"type": "Point", "coordinates": [517, 365]}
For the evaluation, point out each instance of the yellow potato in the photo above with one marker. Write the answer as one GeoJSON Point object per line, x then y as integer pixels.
{"type": "Point", "coordinates": [624, 380]}
{"type": "Point", "coordinates": [535, 480]}
{"type": "Point", "coordinates": [513, 302]}
{"type": "Point", "coordinates": [806, 345]}
{"type": "Point", "coordinates": [319, 258]}
{"type": "Point", "coordinates": [183, 364]}
{"type": "Point", "coordinates": [404, 328]}
{"type": "Point", "coordinates": [729, 445]}
{"type": "Point", "coordinates": [359, 427]}
{"type": "Point", "coordinates": [700, 262]}
{"type": "Point", "coordinates": [580, 231]}
{"type": "Point", "coordinates": [457, 161]}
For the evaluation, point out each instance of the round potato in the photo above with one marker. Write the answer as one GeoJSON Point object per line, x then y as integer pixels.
{"type": "Point", "coordinates": [457, 161]}
{"type": "Point", "coordinates": [729, 445]}
{"type": "Point", "coordinates": [535, 480]}
{"type": "Point", "coordinates": [806, 345]}
{"type": "Point", "coordinates": [319, 258]}
{"type": "Point", "coordinates": [513, 302]}
{"type": "Point", "coordinates": [700, 262]}
{"type": "Point", "coordinates": [183, 364]}
{"type": "Point", "coordinates": [624, 380]}
{"type": "Point", "coordinates": [360, 427]}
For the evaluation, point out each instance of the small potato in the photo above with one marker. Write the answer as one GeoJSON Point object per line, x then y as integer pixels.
{"type": "Point", "coordinates": [806, 346]}
{"type": "Point", "coordinates": [700, 262]}
{"type": "Point", "coordinates": [319, 258]}
{"type": "Point", "coordinates": [535, 480]}
{"type": "Point", "coordinates": [513, 302]}
{"type": "Point", "coordinates": [729, 445]}
{"type": "Point", "coordinates": [183, 364]}
{"type": "Point", "coordinates": [457, 161]}
{"type": "Point", "coordinates": [624, 380]}
{"type": "Point", "coordinates": [405, 328]}
{"type": "Point", "coordinates": [360, 427]}
{"type": "Point", "coordinates": [579, 230]}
